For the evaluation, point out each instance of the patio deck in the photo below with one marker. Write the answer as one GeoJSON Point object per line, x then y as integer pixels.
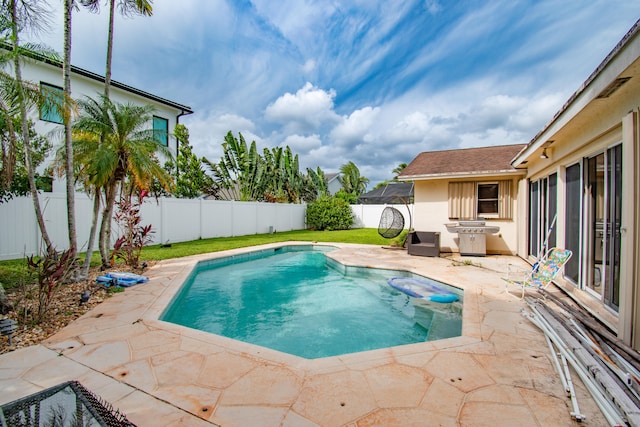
{"type": "Point", "coordinates": [498, 373]}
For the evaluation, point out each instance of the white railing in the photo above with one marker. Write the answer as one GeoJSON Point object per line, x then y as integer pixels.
{"type": "Point", "coordinates": [173, 220]}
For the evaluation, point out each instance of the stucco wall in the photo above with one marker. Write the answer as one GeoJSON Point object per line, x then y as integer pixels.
{"type": "Point", "coordinates": [432, 213]}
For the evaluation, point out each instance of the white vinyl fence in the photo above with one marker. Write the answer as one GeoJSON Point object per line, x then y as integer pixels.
{"type": "Point", "coordinates": [368, 216]}
{"type": "Point", "coordinates": [173, 220]}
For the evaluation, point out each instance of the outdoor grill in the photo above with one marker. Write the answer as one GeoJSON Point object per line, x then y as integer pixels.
{"type": "Point", "coordinates": [472, 235]}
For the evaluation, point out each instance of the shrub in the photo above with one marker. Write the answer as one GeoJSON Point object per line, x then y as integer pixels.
{"type": "Point", "coordinates": [329, 213]}
{"type": "Point", "coordinates": [350, 198]}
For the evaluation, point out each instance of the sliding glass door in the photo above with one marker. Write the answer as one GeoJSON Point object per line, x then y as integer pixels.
{"type": "Point", "coordinates": [614, 221]}
{"type": "Point", "coordinates": [573, 221]}
{"type": "Point", "coordinates": [593, 218]}
{"type": "Point", "coordinates": [593, 207]}
{"type": "Point", "coordinates": [604, 202]}
{"type": "Point", "coordinates": [543, 207]}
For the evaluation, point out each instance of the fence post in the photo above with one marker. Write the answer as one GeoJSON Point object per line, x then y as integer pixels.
{"type": "Point", "coordinates": [233, 224]}
{"type": "Point", "coordinates": [162, 221]}
{"type": "Point", "coordinates": [200, 204]}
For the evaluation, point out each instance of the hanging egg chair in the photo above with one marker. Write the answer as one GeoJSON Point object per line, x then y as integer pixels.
{"type": "Point", "coordinates": [391, 223]}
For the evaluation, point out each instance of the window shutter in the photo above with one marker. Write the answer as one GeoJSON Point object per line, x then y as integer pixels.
{"type": "Point", "coordinates": [462, 200]}
{"type": "Point", "coordinates": [504, 200]}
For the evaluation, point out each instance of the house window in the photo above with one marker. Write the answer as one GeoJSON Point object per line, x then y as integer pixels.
{"type": "Point", "coordinates": [474, 199]}
{"type": "Point", "coordinates": [161, 130]}
{"type": "Point", "coordinates": [51, 108]}
{"type": "Point", "coordinates": [488, 199]}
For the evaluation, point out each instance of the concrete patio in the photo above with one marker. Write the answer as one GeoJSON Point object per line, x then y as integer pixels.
{"type": "Point", "coordinates": [498, 373]}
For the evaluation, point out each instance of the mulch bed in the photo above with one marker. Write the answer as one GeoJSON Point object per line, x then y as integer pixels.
{"type": "Point", "coordinates": [65, 308]}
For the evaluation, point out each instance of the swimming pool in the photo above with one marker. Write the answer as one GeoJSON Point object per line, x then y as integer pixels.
{"type": "Point", "coordinates": [296, 300]}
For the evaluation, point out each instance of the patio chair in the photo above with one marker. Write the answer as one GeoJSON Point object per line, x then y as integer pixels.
{"type": "Point", "coordinates": [542, 272]}
{"type": "Point", "coordinates": [424, 243]}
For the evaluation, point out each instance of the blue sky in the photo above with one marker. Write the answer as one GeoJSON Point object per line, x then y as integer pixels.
{"type": "Point", "coordinates": [373, 82]}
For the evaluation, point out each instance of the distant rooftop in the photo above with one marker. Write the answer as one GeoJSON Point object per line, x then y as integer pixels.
{"type": "Point", "coordinates": [494, 160]}
{"type": "Point", "coordinates": [390, 193]}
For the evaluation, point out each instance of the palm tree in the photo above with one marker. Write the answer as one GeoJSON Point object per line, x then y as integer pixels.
{"type": "Point", "coordinates": [398, 170]}
{"type": "Point", "coordinates": [69, 5]}
{"type": "Point", "coordinates": [127, 8]}
{"type": "Point", "coordinates": [19, 15]}
{"type": "Point", "coordinates": [351, 180]}
{"type": "Point", "coordinates": [111, 142]}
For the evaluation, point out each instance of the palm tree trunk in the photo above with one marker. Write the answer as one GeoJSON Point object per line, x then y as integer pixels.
{"type": "Point", "coordinates": [66, 71]}
{"type": "Point", "coordinates": [25, 129]}
{"type": "Point", "coordinates": [92, 233]}
{"type": "Point", "coordinates": [104, 231]}
{"type": "Point", "coordinates": [8, 152]}
{"type": "Point", "coordinates": [105, 225]}
{"type": "Point", "coordinates": [107, 74]}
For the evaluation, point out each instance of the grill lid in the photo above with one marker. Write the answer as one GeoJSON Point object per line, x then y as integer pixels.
{"type": "Point", "coordinates": [472, 226]}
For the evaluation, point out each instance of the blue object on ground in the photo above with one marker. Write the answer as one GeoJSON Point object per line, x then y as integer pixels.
{"type": "Point", "coordinates": [121, 279]}
{"type": "Point", "coordinates": [426, 289]}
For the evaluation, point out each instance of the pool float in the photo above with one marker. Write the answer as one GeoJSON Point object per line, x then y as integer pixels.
{"type": "Point", "coordinates": [121, 279]}
{"type": "Point", "coordinates": [425, 289]}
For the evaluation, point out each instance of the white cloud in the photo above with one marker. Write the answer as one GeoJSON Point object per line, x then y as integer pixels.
{"type": "Point", "coordinates": [207, 132]}
{"type": "Point", "coordinates": [241, 66]}
{"type": "Point", "coordinates": [302, 144]}
{"type": "Point", "coordinates": [309, 66]}
{"type": "Point", "coordinates": [296, 19]}
{"type": "Point", "coordinates": [305, 111]}
{"type": "Point", "coordinates": [354, 129]}
{"type": "Point", "coordinates": [412, 128]}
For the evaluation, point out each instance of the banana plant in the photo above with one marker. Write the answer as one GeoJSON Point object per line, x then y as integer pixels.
{"type": "Point", "coordinates": [240, 172]}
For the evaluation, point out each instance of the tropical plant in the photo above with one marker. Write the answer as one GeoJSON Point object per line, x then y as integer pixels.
{"type": "Point", "coordinates": [329, 213]}
{"type": "Point", "coordinates": [17, 16]}
{"type": "Point", "coordinates": [283, 180]}
{"type": "Point", "coordinates": [316, 185]}
{"type": "Point", "coordinates": [350, 198]}
{"type": "Point", "coordinates": [18, 181]}
{"type": "Point", "coordinates": [127, 8]}
{"type": "Point", "coordinates": [191, 179]}
{"type": "Point", "coordinates": [111, 142]}
{"type": "Point", "coordinates": [351, 180]}
{"type": "Point", "coordinates": [134, 235]}
{"type": "Point", "coordinates": [52, 271]}
{"type": "Point", "coordinates": [240, 172]}
{"type": "Point", "coordinates": [243, 174]}
{"type": "Point", "coordinates": [398, 170]}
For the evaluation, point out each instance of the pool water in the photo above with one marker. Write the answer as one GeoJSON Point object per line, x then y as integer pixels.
{"type": "Point", "coordinates": [296, 300]}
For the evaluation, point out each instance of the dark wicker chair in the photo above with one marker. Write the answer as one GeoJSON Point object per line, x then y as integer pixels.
{"type": "Point", "coordinates": [424, 243]}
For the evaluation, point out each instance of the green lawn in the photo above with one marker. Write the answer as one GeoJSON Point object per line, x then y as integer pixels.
{"type": "Point", "coordinates": [14, 272]}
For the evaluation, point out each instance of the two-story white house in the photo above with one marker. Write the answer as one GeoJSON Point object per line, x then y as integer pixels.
{"type": "Point", "coordinates": [48, 75]}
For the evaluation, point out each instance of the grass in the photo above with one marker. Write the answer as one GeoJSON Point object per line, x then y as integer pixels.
{"type": "Point", "coordinates": [14, 272]}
